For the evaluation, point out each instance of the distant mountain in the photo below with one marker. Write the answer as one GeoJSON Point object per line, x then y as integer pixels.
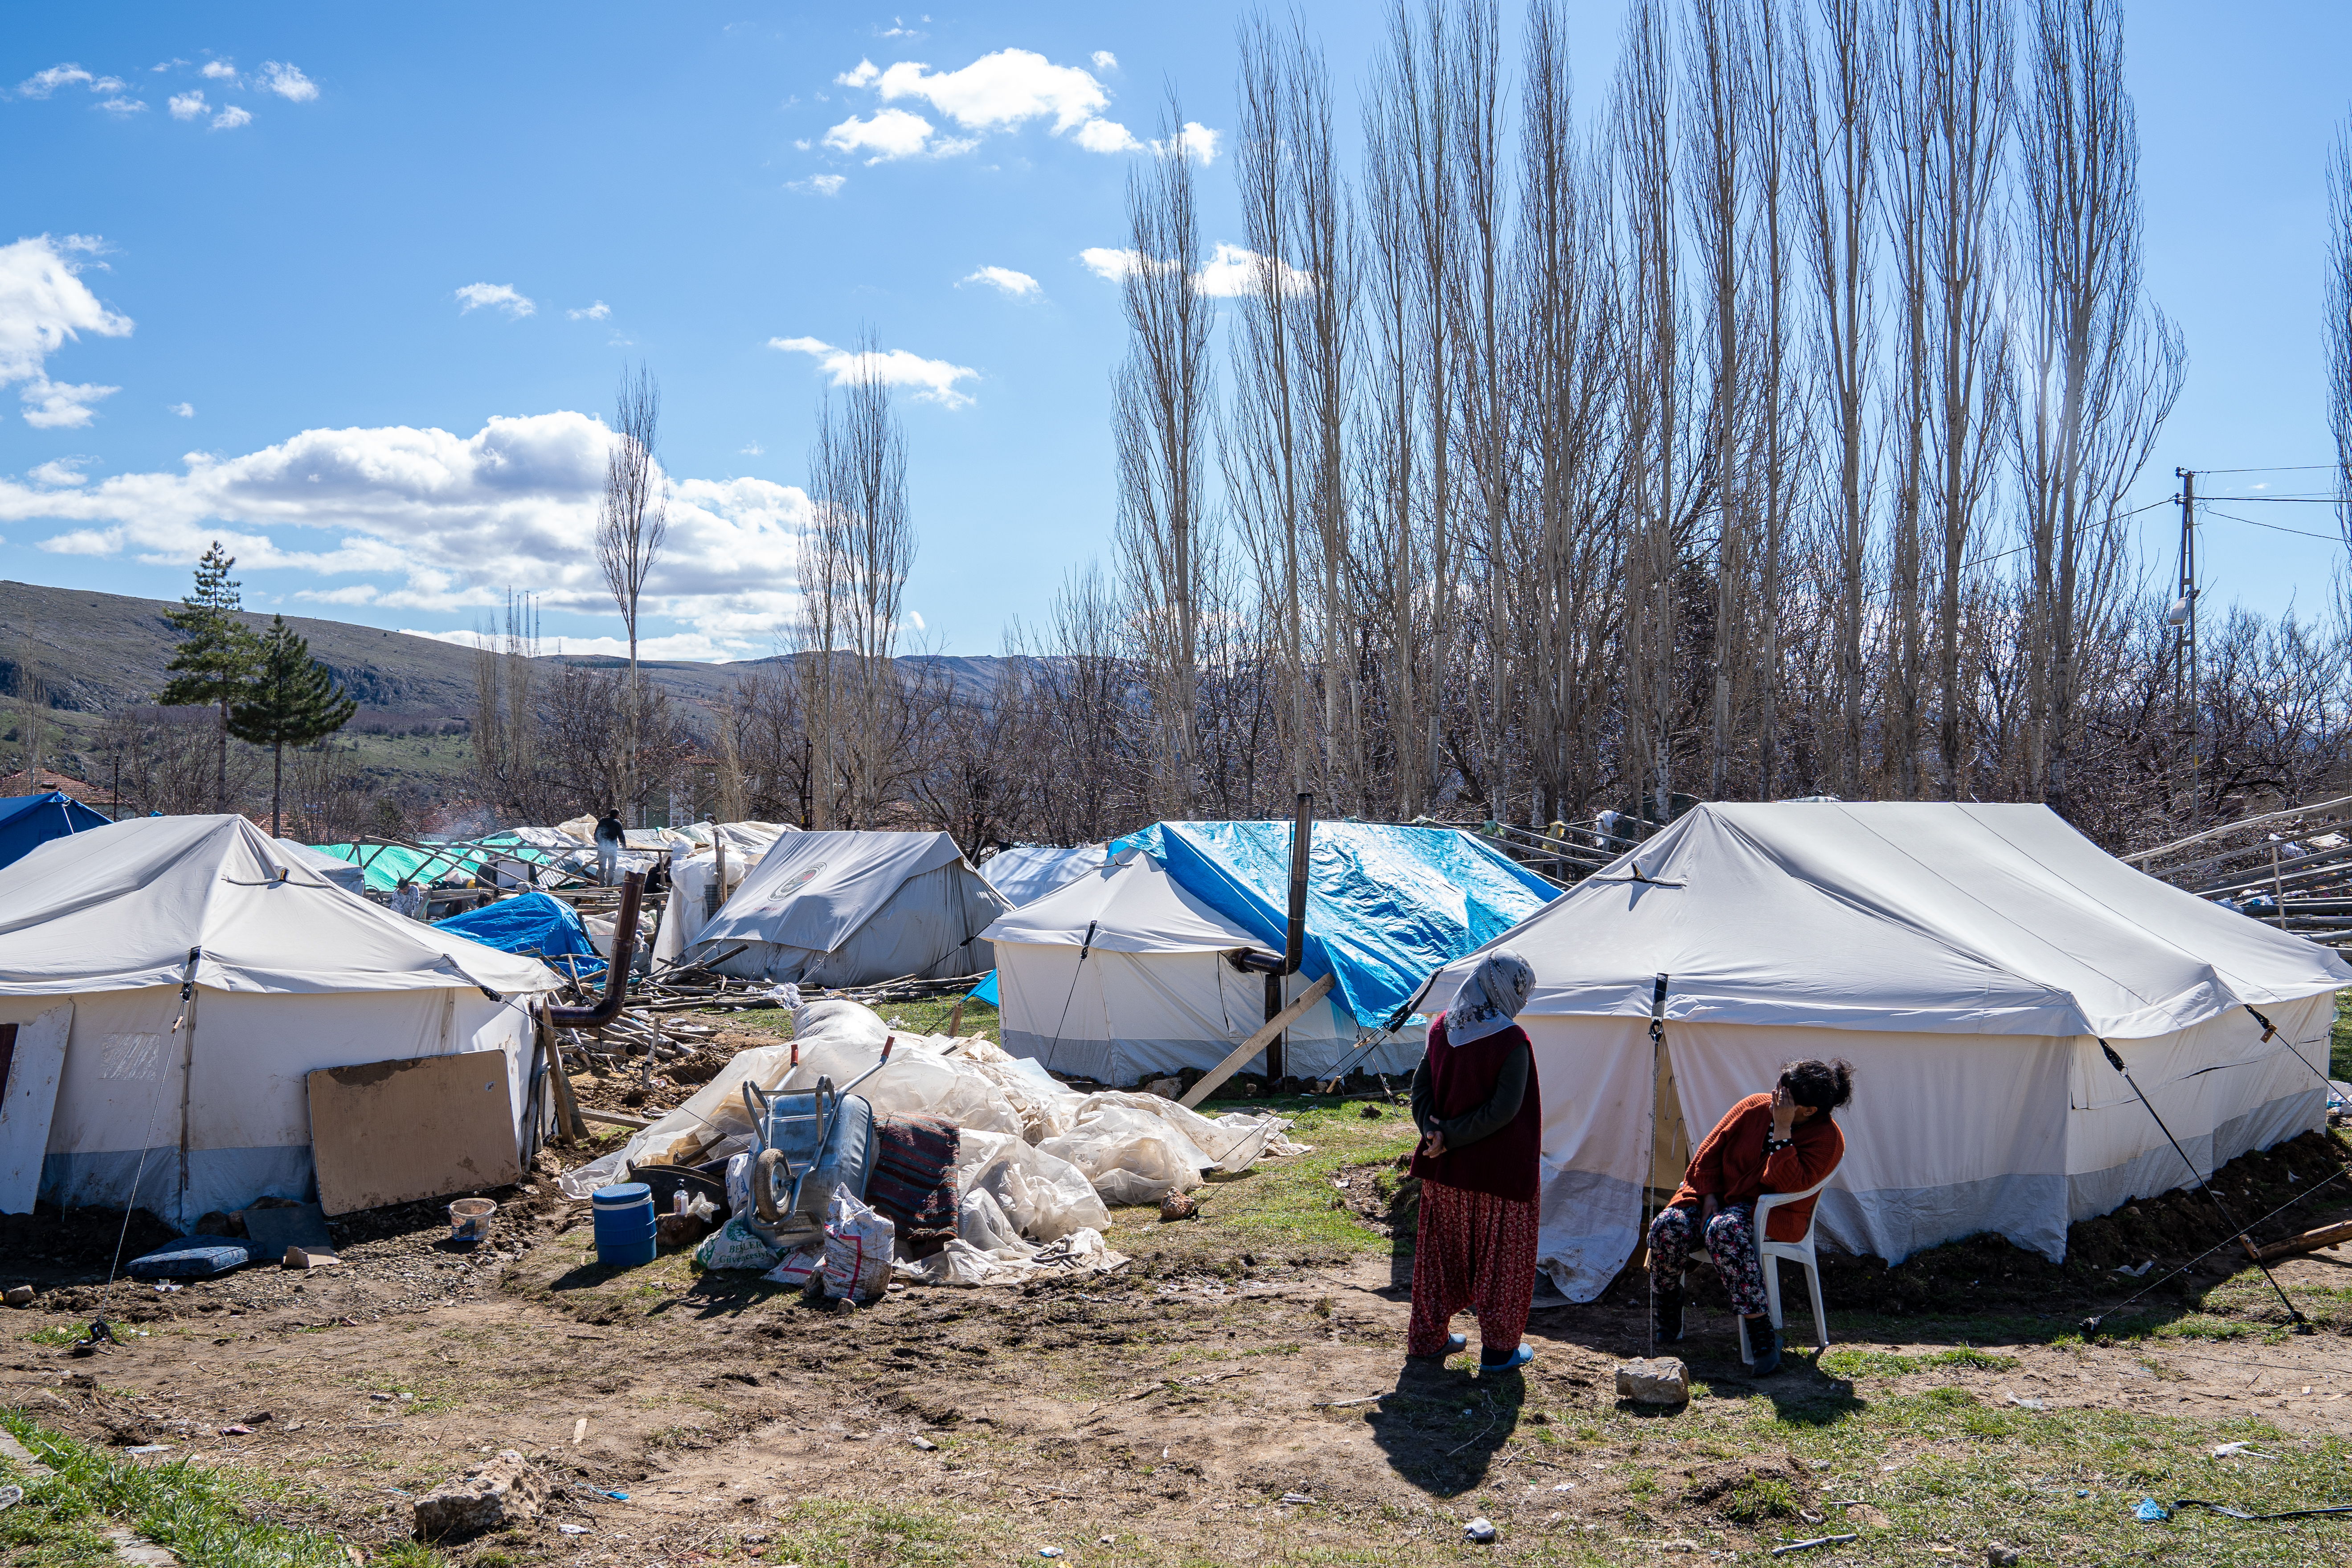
{"type": "Point", "coordinates": [95, 653]}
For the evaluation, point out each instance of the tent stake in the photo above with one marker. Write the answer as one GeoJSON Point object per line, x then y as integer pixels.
{"type": "Point", "coordinates": [2302, 1324]}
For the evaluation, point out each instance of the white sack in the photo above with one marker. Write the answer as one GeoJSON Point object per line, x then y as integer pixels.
{"type": "Point", "coordinates": [857, 1245]}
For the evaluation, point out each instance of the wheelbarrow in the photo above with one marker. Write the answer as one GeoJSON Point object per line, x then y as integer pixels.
{"type": "Point", "coordinates": [810, 1142]}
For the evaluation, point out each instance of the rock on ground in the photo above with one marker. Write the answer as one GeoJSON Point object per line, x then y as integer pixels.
{"type": "Point", "coordinates": [492, 1495]}
{"type": "Point", "coordinates": [1661, 1381]}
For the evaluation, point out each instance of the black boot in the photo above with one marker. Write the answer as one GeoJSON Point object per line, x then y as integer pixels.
{"type": "Point", "coordinates": [1764, 1346]}
{"type": "Point", "coordinates": [1666, 1317]}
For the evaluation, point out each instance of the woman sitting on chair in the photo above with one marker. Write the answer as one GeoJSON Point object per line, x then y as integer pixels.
{"type": "Point", "coordinates": [1783, 1142]}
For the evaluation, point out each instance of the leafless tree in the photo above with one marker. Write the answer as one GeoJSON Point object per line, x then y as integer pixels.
{"type": "Point", "coordinates": [2336, 308]}
{"type": "Point", "coordinates": [632, 526]}
{"type": "Point", "coordinates": [864, 538]}
{"type": "Point", "coordinates": [1161, 416]}
{"type": "Point", "coordinates": [2102, 370]}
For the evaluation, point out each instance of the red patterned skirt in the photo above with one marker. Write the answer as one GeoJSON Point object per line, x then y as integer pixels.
{"type": "Point", "coordinates": [1473, 1249]}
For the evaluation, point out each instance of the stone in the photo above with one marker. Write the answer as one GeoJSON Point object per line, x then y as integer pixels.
{"type": "Point", "coordinates": [1480, 1530]}
{"type": "Point", "coordinates": [498, 1492]}
{"type": "Point", "coordinates": [1663, 1380]}
{"type": "Point", "coordinates": [1999, 1556]}
{"type": "Point", "coordinates": [1174, 1206]}
{"type": "Point", "coordinates": [18, 1296]}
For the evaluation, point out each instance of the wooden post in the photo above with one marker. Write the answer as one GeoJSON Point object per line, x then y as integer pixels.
{"type": "Point", "coordinates": [567, 1104]}
{"type": "Point", "coordinates": [1216, 1076]}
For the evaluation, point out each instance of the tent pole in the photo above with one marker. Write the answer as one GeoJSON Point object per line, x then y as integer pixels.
{"type": "Point", "coordinates": [1650, 1157]}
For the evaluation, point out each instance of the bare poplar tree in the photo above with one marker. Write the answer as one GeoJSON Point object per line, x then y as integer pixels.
{"type": "Point", "coordinates": [632, 526]}
{"type": "Point", "coordinates": [2338, 310]}
{"type": "Point", "coordinates": [859, 473]}
{"type": "Point", "coordinates": [1716, 84]}
{"type": "Point", "coordinates": [2102, 368]}
{"type": "Point", "coordinates": [1159, 419]}
{"type": "Point", "coordinates": [1387, 442]}
{"type": "Point", "coordinates": [1838, 176]}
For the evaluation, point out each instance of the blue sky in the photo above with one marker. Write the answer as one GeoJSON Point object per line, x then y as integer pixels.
{"type": "Point", "coordinates": [350, 288]}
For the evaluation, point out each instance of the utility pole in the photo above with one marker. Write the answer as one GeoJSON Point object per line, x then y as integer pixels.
{"type": "Point", "coordinates": [2183, 615]}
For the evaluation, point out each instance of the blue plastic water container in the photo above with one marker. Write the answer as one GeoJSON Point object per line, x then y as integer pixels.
{"type": "Point", "coordinates": [625, 1225]}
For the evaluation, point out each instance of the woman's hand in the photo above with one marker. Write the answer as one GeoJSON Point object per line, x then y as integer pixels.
{"type": "Point", "coordinates": [1434, 1145]}
{"type": "Point", "coordinates": [1784, 1112]}
{"type": "Point", "coordinates": [1706, 1207]}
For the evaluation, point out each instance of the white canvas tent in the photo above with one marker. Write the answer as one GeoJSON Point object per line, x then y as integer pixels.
{"type": "Point", "coordinates": [1027, 872]}
{"type": "Point", "coordinates": [1122, 975]}
{"type": "Point", "coordinates": [694, 879]}
{"type": "Point", "coordinates": [202, 1103]}
{"type": "Point", "coordinates": [348, 875]}
{"type": "Point", "coordinates": [1967, 960]}
{"type": "Point", "coordinates": [851, 908]}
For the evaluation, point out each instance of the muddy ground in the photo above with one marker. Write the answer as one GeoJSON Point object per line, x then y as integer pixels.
{"type": "Point", "coordinates": [1230, 1396]}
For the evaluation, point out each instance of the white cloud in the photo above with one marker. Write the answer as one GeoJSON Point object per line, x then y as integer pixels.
{"type": "Point", "coordinates": [59, 471]}
{"type": "Point", "coordinates": [933, 380]}
{"type": "Point", "coordinates": [60, 406]}
{"type": "Point", "coordinates": [1106, 136]}
{"type": "Point", "coordinates": [595, 312]}
{"type": "Point", "coordinates": [1196, 140]}
{"type": "Point", "coordinates": [286, 82]}
{"type": "Point", "coordinates": [1232, 272]}
{"type": "Point", "coordinates": [1105, 61]}
{"type": "Point", "coordinates": [1004, 279]}
{"type": "Point", "coordinates": [997, 92]}
{"type": "Point", "coordinates": [474, 296]}
{"type": "Point", "coordinates": [188, 105]}
{"type": "Point", "coordinates": [108, 84]}
{"type": "Point", "coordinates": [819, 184]}
{"type": "Point", "coordinates": [167, 64]}
{"type": "Point", "coordinates": [232, 117]}
{"type": "Point", "coordinates": [184, 410]}
{"type": "Point", "coordinates": [43, 304]}
{"type": "Point", "coordinates": [1112, 265]}
{"type": "Point", "coordinates": [864, 76]}
{"type": "Point", "coordinates": [40, 84]}
{"type": "Point", "coordinates": [892, 133]}
{"type": "Point", "coordinates": [752, 450]}
{"type": "Point", "coordinates": [219, 70]}
{"type": "Point", "coordinates": [124, 106]}
{"type": "Point", "coordinates": [428, 520]}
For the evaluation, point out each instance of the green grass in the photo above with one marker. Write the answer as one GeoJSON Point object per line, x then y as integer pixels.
{"type": "Point", "coordinates": [204, 1515]}
{"type": "Point", "coordinates": [2339, 1039]}
{"type": "Point", "coordinates": [1863, 1362]}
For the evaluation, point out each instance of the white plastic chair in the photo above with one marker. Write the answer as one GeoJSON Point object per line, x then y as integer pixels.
{"type": "Point", "coordinates": [1768, 1256]}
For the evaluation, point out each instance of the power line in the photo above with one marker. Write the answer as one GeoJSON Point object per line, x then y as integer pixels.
{"type": "Point", "coordinates": [2276, 469]}
{"type": "Point", "coordinates": [2274, 527]}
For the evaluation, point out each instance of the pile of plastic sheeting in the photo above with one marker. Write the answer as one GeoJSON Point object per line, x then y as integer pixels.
{"type": "Point", "coordinates": [1037, 1164]}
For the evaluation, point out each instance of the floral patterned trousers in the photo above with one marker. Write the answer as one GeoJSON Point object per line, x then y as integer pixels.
{"type": "Point", "coordinates": [1474, 1249]}
{"type": "Point", "coordinates": [1730, 1240]}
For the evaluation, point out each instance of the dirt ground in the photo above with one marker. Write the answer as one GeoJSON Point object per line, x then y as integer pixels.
{"type": "Point", "coordinates": [1236, 1394]}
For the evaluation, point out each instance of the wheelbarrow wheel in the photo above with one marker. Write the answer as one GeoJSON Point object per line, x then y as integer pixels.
{"type": "Point", "coordinates": [763, 1184]}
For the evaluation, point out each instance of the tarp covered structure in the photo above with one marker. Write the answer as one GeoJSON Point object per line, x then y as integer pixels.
{"type": "Point", "coordinates": [342, 873]}
{"type": "Point", "coordinates": [1968, 960]}
{"type": "Point", "coordinates": [387, 866]}
{"type": "Point", "coordinates": [1027, 872]}
{"type": "Point", "coordinates": [695, 893]}
{"type": "Point", "coordinates": [841, 908]}
{"type": "Point", "coordinates": [534, 925]}
{"type": "Point", "coordinates": [1386, 906]}
{"type": "Point", "coordinates": [1122, 975]}
{"type": "Point", "coordinates": [202, 1104]}
{"type": "Point", "coordinates": [29, 821]}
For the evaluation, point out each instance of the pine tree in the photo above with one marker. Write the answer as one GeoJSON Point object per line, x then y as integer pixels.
{"type": "Point", "coordinates": [216, 654]}
{"type": "Point", "coordinates": [290, 701]}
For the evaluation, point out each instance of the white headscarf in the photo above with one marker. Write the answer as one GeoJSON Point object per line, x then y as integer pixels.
{"type": "Point", "coordinates": [1490, 998]}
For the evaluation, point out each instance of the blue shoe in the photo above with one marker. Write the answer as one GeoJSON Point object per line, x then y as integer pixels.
{"type": "Point", "coordinates": [1511, 1362]}
{"type": "Point", "coordinates": [1454, 1345]}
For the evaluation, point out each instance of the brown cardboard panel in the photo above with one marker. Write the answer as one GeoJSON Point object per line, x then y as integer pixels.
{"type": "Point", "coordinates": [389, 1132]}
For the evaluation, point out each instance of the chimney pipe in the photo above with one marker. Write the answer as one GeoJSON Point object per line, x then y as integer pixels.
{"type": "Point", "coordinates": [616, 966]}
{"type": "Point", "coordinates": [1294, 941]}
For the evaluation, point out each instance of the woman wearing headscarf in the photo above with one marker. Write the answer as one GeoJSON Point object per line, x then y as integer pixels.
{"type": "Point", "coordinates": [1784, 1142]}
{"type": "Point", "coordinates": [1475, 1103]}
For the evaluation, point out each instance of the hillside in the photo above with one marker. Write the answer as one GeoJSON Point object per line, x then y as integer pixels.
{"type": "Point", "coordinates": [95, 653]}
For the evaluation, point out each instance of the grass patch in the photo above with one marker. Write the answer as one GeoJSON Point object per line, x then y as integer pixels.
{"type": "Point", "coordinates": [204, 1515]}
{"type": "Point", "coordinates": [2339, 1039]}
{"type": "Point", "coordinates": [55, 1334]}
{"type": "Point", "coordinates": [1760, 1499]}
{"type": "Point", "coordinates": [826, 1532]}
{"type": "Point", "coordinates": [1864, 1362]}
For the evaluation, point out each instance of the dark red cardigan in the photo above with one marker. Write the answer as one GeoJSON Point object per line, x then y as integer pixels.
{"type": "Point", "coordinates": [1462, 1078]}
{"type": "Point", "coordinates": [1731, 1166]}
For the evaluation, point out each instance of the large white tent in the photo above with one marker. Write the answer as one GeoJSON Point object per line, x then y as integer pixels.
{"type": "Point", "coordinates": [1122, 975]}
{"type": "Point", "coordinates": [1027, 872]}
{"type": "Point", "coordinates": [1968, 960]}
{"type": "Point", "coordinates": [202, 1103]}
{"type": "Point", "coordinates": [850, 909]}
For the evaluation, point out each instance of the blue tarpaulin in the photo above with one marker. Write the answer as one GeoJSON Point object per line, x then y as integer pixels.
{"type": "Point", "coordinates": [1386, 906]}
{"type": "Point", "coordinates": [531, 923]}
{"type": "Point", "coordinates": [29, 821]}
{"type": "Point", "coordinates": [984, 991]}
